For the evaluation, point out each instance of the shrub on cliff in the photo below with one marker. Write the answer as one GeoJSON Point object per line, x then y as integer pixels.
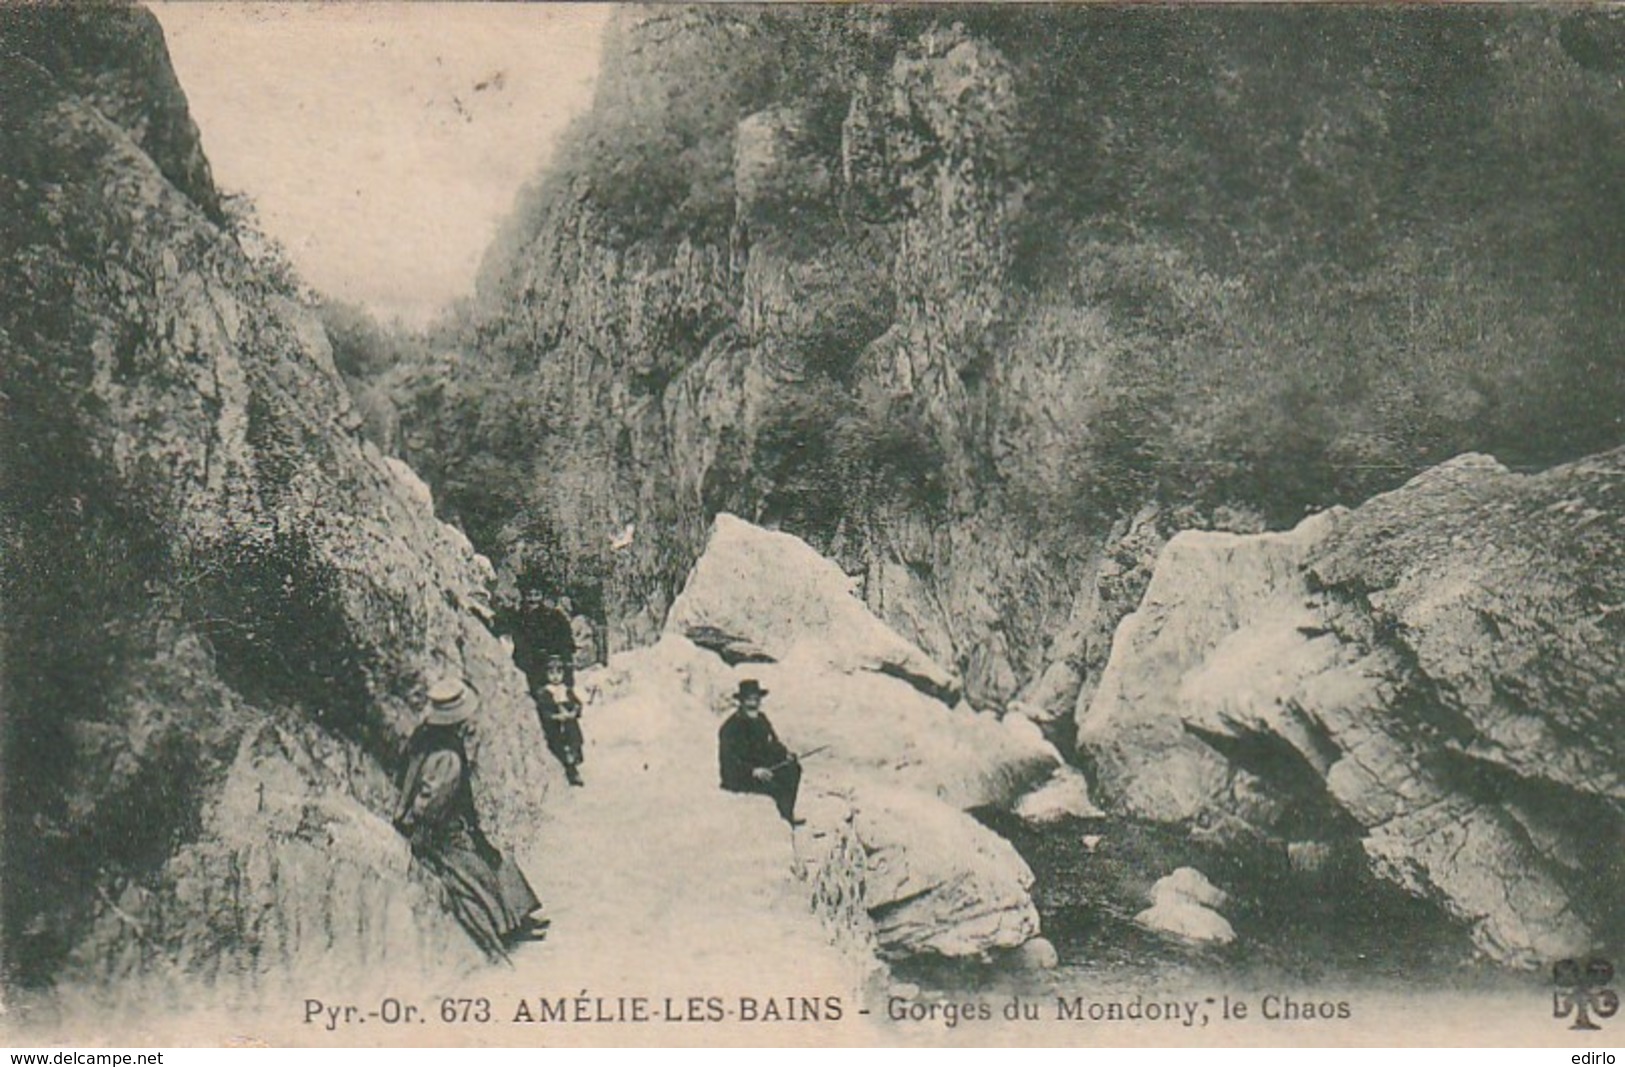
{"type": "Point", "coordinates": [821, 458]}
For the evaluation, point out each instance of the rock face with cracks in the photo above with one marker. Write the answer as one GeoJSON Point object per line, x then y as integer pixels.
{"type": "Point", "coordinates": [967, 314]}
{"type": "Point", "coordinates": [1435, 675]}
{"type": "Point", "coordinates": [896, 767]}
{"type": "Point", "coordinates": [222, 608]}
{"type": "Point", "coordinates": [938, 883]}
{"type": "Point", "coordinates": [761, 595]}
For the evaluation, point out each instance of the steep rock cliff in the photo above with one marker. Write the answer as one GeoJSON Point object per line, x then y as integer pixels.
{"type": "Point", "coordinates": [222, 608]}
{"type": "Point", "coordinates": [986, 306]}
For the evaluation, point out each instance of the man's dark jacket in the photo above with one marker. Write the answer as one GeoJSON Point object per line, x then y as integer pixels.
{"type": "Point", "coordinates": [744, 744]}
{"type": "Point", "coordinates": [537, 634]}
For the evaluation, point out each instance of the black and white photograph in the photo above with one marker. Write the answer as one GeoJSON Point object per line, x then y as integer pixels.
{"type": "Point", "coordinates": [812, 525]}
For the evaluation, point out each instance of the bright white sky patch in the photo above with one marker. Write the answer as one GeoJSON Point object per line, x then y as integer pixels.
{"type": "Point", "coordinates": [383, 142]}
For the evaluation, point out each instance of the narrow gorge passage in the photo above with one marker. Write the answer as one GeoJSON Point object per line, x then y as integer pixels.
{"type": "Point", "coordinates": [659, 884]}
{"type": "Point", "coordinates": [1167, 463]}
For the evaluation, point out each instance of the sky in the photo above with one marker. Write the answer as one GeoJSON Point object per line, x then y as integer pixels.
{"type": "Point", "coordinates": [383, 142]}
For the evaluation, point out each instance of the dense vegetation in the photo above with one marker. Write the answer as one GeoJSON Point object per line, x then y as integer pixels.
{"type": "Point", "coordinates": [1270, 258]}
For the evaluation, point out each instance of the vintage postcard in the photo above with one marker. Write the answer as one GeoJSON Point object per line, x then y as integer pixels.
{"type": "Point", "coordinates": [807, 525]}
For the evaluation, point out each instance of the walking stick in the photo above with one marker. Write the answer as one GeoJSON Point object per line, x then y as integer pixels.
{"type": "Point", "coordinates": [796, 758]}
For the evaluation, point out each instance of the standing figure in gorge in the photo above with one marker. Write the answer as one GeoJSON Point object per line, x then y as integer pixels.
{"type": "Point", "coordinates": [485, 889]}
{"type": "Point", "coordinates": [540, 629]}
{"type": "Point", "coordinates": [544, 644]}
{"type": "Point", "coordinates": [753, 759]}
{"type": "Point", "coordinates": [560, 711]}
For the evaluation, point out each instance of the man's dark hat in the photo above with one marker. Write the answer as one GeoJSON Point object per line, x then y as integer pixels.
{"type": "Point", "coordinates": [750, 687]}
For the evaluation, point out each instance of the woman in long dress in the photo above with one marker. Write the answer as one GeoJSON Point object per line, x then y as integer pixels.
{"type": "Point", "coordinates": [486, 890]}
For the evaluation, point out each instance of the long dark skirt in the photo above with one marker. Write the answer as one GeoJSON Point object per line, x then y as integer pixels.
{"type": "Point", "coordinates": [488, 892]}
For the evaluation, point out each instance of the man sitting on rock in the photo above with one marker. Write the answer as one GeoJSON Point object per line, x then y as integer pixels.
{"type": "Point", "coordinates": [753, 758]}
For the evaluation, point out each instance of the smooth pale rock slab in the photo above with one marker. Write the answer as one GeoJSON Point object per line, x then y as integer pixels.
{"type": "Point", "coordinates": [1064, 796]}
{"type": "Point", "coordinates": [840, 680]}
{"type": "Point", "coordinates": [1192, 922]}
{"type": "Point", "coordinates": [1206, 586]}
{"type": "Point", "coordinates": [758, 593]}
{"type": "Point", "coordinates": [937, 882]}
{"type": "Point", "coordinates": [1189, 885]}
{"type": "Point", "coordinates": [1038, 955]}
{"type": "Point", "coordinates": [872, 727]}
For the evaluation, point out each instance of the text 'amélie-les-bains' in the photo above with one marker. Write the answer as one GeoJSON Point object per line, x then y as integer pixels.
{"type": "Point", "coordinates": [679, 1009]}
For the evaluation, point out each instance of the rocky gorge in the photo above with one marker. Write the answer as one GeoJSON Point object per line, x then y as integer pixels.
{"type": "Point", "coordinates": [944, 295]}
{"type": "Point", "coordinates": [222, 605]}
{"type": "Point", "coordinates": [900, 363]}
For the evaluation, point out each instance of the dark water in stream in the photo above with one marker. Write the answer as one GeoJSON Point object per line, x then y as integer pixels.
{"type": "Point", "coordinates": [1339, 930]}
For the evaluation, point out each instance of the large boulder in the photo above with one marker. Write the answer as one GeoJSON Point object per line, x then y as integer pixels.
{"type": "Point", "coordinates": [1507, 591]}
{"type": "Point", "coordinates": [895, 767]}
{"type": "Point", "coordinates": [934, 882]}
{"type": "Point", "coordinates": [759, 594]}
{"type": "Point", "coordinates": [1436, 674]}
{"type": "Point", "coordinates": [1206, 587]}
{"type": "Point", "coordinates": [840, 679]}
{"type": "Point", "coordinates": [872, 727]}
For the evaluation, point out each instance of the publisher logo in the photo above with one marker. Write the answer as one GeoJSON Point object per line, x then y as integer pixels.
{"type": "Point", "coordinates": [1581, 992]}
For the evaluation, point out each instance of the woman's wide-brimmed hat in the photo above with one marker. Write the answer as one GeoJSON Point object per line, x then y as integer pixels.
{"type": "Point", "coordinates": [450, 703]}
